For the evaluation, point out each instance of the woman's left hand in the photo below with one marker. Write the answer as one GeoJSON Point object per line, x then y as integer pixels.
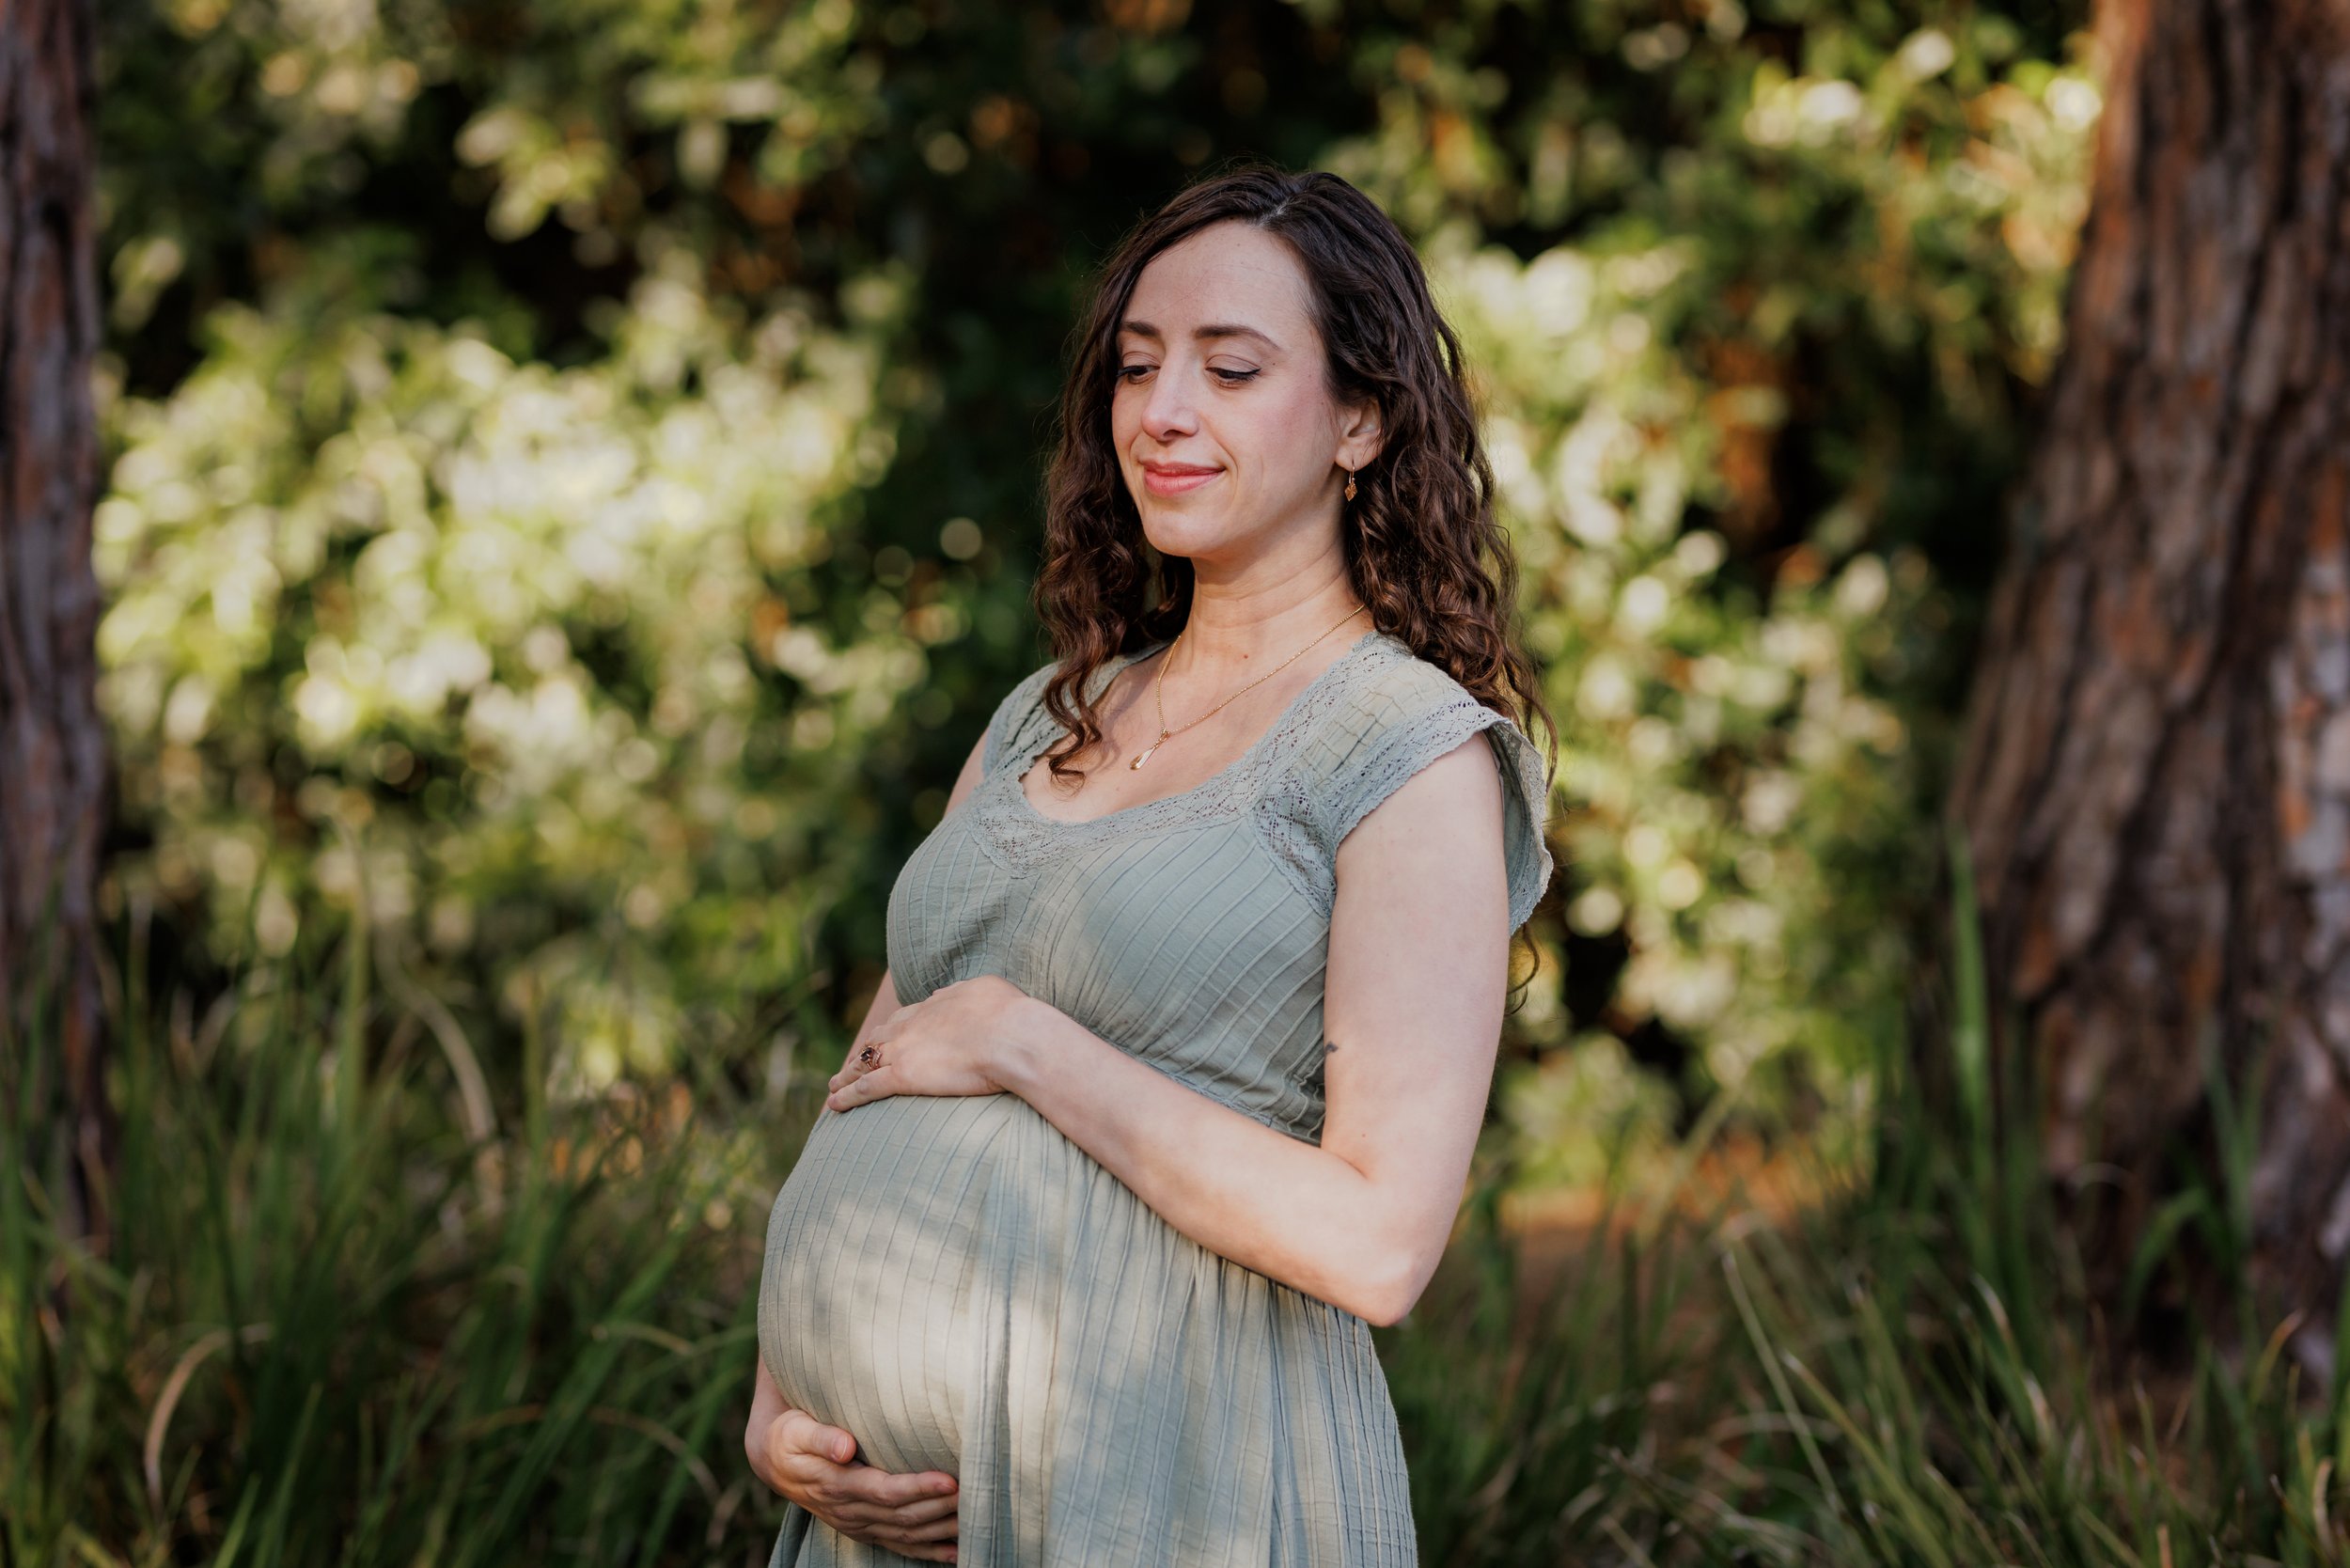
{"type": "Point", "coordinates": [950, 1043]}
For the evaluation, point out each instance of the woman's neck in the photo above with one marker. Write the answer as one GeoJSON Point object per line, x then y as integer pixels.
{"type": "Point", "coordinates": [1244, 640]}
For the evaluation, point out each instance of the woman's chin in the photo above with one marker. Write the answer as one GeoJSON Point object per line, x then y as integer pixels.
{"type": "Point", "coordinates": [1173, 530]}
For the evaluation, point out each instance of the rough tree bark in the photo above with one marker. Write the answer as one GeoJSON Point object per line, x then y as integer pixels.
{"type": "Point", "coordinates": [53, 753]}
{"type": "Point", "coordinates": [2155, 781]}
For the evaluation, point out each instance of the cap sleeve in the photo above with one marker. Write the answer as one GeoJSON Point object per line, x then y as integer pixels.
{"type": "Point", "coordinates": [1012, 713]}
{"type": "Point", "coordinates": [1401, 725]}
{"type": "Point", "coordinates": [1526, 818]}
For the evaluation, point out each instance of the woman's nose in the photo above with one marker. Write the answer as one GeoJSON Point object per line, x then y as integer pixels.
{"type": "Point", "coordinates": [1168, 409]}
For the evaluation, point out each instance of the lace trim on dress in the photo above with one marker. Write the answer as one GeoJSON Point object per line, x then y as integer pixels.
{"type": "Point", "coordinates": [1287, 809]}
{"type": "Point", "coordinates": [1020, 834]}
{"type": "Point", "coordinates": [1304, 833]}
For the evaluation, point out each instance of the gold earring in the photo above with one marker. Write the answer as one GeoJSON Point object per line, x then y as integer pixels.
{"type": "Point", "coordinates": [1350, 484]}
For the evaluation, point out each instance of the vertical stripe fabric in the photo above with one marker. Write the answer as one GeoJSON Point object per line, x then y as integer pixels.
{"type": "Point", "coordinates": [962, 1288]}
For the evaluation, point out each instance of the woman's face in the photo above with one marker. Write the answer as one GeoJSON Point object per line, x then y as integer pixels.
{"type": "Point", "coordinates": [1225, 433]}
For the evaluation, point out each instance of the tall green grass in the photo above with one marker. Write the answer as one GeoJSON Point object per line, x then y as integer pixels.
{"type": "Point", "coordinates": [370, 1304]}
{"type": "Point", "coordinates": [339, 1324]}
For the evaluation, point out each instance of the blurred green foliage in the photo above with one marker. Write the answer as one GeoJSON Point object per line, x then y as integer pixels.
{"type": "Point", "coordinates": [591, 451]}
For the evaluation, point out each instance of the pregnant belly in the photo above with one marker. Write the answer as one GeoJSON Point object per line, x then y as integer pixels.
{"type": "Point", "coordinates": [874, 1294]}
{"type": "Point", "coordinates": [961, 1288]}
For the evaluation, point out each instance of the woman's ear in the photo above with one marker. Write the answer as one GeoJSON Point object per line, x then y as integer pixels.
{"type": "Point", "coordinates": [1361, 434]}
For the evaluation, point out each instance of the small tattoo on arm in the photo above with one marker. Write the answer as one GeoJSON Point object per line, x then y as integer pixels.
{"type": "Point", "coordinates": [1328, 1046]}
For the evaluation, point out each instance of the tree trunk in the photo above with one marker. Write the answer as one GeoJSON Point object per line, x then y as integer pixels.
{"type": "Point", "coordinates": [53, 753]}
{"type": "Point", "coordinates": [2155, 781]}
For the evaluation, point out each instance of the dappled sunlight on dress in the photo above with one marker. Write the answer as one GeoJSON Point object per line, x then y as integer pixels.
{"type": "Point", "coordinates": [959, 1286]}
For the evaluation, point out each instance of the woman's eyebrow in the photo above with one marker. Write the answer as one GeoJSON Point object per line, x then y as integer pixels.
{"type": "Point", "coordinates": [1214, 329]}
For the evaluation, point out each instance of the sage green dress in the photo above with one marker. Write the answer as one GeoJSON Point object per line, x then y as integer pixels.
{"type": "Point", "coordinates": [962, 1288]}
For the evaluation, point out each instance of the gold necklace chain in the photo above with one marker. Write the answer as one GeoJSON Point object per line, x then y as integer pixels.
{"type": "Point", "coordinates": [1161, 686]}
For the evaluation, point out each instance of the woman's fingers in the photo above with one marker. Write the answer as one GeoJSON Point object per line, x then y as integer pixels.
{"type": "Point", "coordinates": [862, 1059]}
{"type": "Point", "coordinates": [872, 1051]}
{"type": "Point", "coordinates": [870, 1495]}
{"type": "Point", "coordinates": [934, 1515]}
{"type": "Point", "coordinates": [929, 1530]}
{"type": "Point", "coordinates": [930, 1547]}
{"type": "Point", "coordinates": [801, 1432]}
{"type": "Point", "coordinates": [894, 1489]}
{"type": "Point", "coordinates": [875, 1083]}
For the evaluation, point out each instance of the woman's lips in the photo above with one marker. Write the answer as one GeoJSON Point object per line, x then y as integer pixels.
{"type": "Point", "coordinates": [1162, 482]}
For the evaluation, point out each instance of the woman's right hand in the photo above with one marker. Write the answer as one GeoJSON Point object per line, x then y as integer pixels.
{"type": "Point", "coordinates": [812, 1464]}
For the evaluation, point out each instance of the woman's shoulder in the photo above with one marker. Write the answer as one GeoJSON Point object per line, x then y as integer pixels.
{"type": "Point", "coordinates": [1395, 696]}
{"type": "Point", "coordinates": [1399, 713]}
{"type": "Point", "coordinates": [1013, 711]}
{"type": "Point", "coordinates": [1394, 683]}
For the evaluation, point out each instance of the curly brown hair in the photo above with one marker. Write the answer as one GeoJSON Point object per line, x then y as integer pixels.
{"type": "Point", "coordinates": [1420, 532]}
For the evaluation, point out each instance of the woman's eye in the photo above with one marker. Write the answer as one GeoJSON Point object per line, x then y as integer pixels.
{"type": "Point", "coordinates": [1132, 373]}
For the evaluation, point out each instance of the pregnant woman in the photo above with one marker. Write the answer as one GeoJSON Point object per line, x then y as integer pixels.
{"type": "Point", "coordinates": [1171, 1085]}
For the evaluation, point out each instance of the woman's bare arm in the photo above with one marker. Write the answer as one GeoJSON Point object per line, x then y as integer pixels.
{"type": "Point", "coordinates": [1418, 975]}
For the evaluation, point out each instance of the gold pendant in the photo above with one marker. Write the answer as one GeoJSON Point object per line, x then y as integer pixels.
{"type": "Point", "coordinates": [1145, 757]}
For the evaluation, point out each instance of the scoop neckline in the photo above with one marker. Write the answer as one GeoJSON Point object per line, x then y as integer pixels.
{"type": "Point", "coordinates": [1223, 775]}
